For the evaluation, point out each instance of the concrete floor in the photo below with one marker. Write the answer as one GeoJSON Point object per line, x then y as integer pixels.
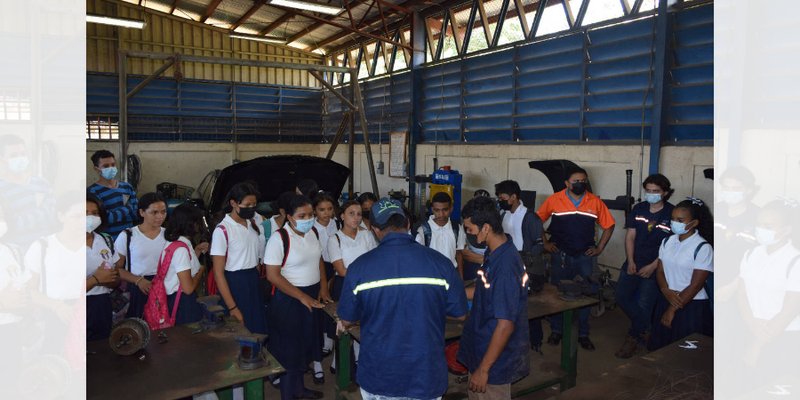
{"type": "Point", "coordinates": [608, 333]}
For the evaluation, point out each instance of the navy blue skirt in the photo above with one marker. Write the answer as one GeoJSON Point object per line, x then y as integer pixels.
{"type": "Point", "coordinates": [338, 284]}
{"type": "Point", "coordinates": [329, 271]}
{"type": "Point", "coordinates": [189, 310]}
{"type": "Point", "coordinates": [295, 336]}
{"type": "Point", "coordinates": [249, 298]}
{"type": "Point", "coordinates": [98, 317]}
{"type": "Point", "coordinates": [694, 317]}
{"type": "Point", "coordinates": [138, 300]}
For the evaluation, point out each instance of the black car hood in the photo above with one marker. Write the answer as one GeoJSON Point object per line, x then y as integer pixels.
{"type": "Point", "coordinates": [274, 175]}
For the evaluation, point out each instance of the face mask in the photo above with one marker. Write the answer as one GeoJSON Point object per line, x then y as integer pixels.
{"type": "Point", "coordinates": [366, 214]}
{"type": "Point", "coordinates": [766, 237]}
{"type": "Point", "coordinates": [579, 188]}
{"type": "Point", "coordinates": [731, 198]}
{"type": "Point", "coordinates": [18, 164]}
{"type": "Point", "coordinates": [247, 212]}
{"type": "Point", "coordinates": [504, 205]}
{"type": "Point", "coordinates": [473, 241]}
{"type": "Point", "coordinates": [108, 173]}
{"type": "Point", "coordinates": [92, 222]}
{"type": "Point", "coordinates": [304, 225]}
{"type": "Point", "coordinates": [678, 228]}
{"type": "Point", "coordinates": [652, 198]}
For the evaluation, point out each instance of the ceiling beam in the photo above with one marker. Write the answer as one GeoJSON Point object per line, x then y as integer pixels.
{"type": "Point", "coordinates": [173, 6]}
{"type": "Point", "coordinates": [275, 24]}
{"type": "Point", "coordinates": [343, 27]}
{"type": "Point", "coordinates": [319, 24]}
{"type": "Point", "coordinates": [210, 10]}
{"type": "Point", "coordinates": [256, 6]}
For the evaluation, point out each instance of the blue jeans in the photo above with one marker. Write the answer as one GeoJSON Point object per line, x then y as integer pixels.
{"type": "Point", "coordinates": [637, 296]}
{"type": "Point", "coordinates": [369, 396]}
{"type": "Point", "coordinates": [566, 267]}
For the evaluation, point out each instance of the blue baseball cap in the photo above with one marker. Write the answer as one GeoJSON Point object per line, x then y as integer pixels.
{"type": "Point", "coordinates": [385, 208]}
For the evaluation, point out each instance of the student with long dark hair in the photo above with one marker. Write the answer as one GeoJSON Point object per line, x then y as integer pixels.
{"type": "Point", "coordinates": [296, 270]}
{"type": "Point", "coordinates": [185, 271]}
{"type": "Point", "coordinates": [366, 199]}
{"type": "Point", "coordinates": [326, 224]}
{"type": "Point", "coordinates": [236, 248]}
{"type": "Point", "coordinates": [101, 271]}
{"type": "Point", "coordinates": [685, 260]}
{"type": "Point", "coordinates": [646, 227]}
{"type": "Point", "coordinates": [145, 241]}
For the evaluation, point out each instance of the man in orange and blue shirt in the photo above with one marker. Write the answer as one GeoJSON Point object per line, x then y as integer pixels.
{"type": "Point", "coordinates": [573, 213]}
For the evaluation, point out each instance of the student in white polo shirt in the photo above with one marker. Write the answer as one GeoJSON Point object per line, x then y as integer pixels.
{"type": "Point", "coordinates": [295, 268]}
{"type": "Point", "coordinates": [346, 246]}
{"type": "Point", "coordinates": [441, 233]}
{"type": "Point", "coordinates": [237, 245]}
{"type": "Point", "coordinates": [685, 261]}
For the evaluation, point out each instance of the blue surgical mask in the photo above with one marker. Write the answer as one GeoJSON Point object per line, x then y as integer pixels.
{"type": "Point", "coordinates": [109, 172]}
{"type": "Point", "coordinates": [304, 225]}
{"type": "Point", "coordinates": [652, 198]}
{"type": "Point", "coordinates": [766, 237]}
{"type": "Point", "coordinates": [678, 228]}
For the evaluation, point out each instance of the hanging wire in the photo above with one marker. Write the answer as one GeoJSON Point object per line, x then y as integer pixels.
{"type": "Point", "coordinates": [644, 99]}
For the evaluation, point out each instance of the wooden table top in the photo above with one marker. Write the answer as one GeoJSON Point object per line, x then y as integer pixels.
{"type": "Point", "coordinates": [186, 364]}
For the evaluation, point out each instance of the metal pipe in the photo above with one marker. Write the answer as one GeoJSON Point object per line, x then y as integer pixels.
{"type": "Point", "coordinates": [122, 75]}
{"type": "Point", "coordinates": [351, 149]}
{"type": "Point", "coordinates": [246, 63]}
{"type": "Point", "coordinates": [339, 134]}
{"type": "Point", "coordinates": [658, 126]}
{"type": "Point", "coordinates": [330, 87]}
{"type": "Point", "coordinates": [151, 77]}
{"type": "Point", "coordinates": [363, 119]}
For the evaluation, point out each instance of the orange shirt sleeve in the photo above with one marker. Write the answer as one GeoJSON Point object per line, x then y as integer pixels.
{"type": "Point", "coordinates": [604, 217]}
{"type": "Point", "coordinates": [546, 209]}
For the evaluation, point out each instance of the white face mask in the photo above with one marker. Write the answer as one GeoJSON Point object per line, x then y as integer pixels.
{"type": "Point", "coordinates": [92, 222]}
{"type": "Point", "coordinates": [766, 237]}
{"type": "Point", "coordinates": [18, 164]}
{"type": "Point", "coordinates": [731, 198]}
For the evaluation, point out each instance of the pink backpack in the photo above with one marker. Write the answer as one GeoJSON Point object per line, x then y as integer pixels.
{"type": "Point", "coordinates": [156, 312]}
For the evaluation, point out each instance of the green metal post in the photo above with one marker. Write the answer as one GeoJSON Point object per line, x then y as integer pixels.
{"type": "Point", "coordinates": [569, 351]}
{"type": "Point", "coordinates": [254, 390]}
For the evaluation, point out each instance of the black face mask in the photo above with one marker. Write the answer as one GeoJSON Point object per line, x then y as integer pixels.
{"type": "Point", "coordinates": [579, 188]}
{"type": "Point", "coordinates": [504, 205]}
{"type": "Point", "coordinates": [366, 214]}
{"type": "Point", "coordinates": [247, 212]}
{"type": "Point", "coordinates": [473, 241]}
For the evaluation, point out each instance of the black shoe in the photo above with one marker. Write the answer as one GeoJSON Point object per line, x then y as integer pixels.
{"type": "Point", "coordinates": [586, 343]}
{"type": "Point", "coordinates": [310, 394]}
{"type": "Point", "coordinates": [537, 348]}
{"type": "Point", "coordinates": [319, 378]}
{"type": "Point", "coordinates": [554, 339]}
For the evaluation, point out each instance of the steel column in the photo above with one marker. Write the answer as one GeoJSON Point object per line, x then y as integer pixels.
{"type": "Point", "coordinates": [415, 122]}
{"type": "Point", "coordinates": [658, 125]}
{"type": "Point", "coordinates": [122, 75]}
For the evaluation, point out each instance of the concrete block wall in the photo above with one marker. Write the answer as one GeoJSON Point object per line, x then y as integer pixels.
{"type": "Point", "coordinates": [481, 165]}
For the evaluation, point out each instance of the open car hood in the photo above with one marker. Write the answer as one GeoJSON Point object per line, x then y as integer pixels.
{"type": "Point", "coordinates": [274, 175]}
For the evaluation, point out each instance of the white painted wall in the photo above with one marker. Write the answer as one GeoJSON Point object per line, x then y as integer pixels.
{"type": "Point", "coordinates": [481, 166]}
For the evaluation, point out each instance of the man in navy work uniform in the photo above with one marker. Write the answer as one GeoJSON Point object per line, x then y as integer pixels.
{"type": "Point", "coordinates": [494, 344]}
{"type": "Point", "coordinates": [402, 293]}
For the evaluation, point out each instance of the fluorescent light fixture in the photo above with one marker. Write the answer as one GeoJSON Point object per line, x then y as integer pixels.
{"type": "Point", "coordinates": [123, 22]}
{"type": "Point", "coordinates": [265, 39]}
{"type": "Point", "coordinates": [308, 6]}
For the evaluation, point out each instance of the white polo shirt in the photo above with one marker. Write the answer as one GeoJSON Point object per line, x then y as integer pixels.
{"type": "Point", "coordinates": [679, 261]}
{"type": "Point", "coordinates": [347, 249]}
{"type": "Point", "coordinates": [57, 275]}
{"type": "Point", "coordinates": [443, 239]}
{"type": "Point", "coordinates": [12, 278]}
{"type": "Point", "coordinates": [302, 264]}
{"type": "Point", "coordinates": [95, 256]}
{"type": "Point", "coordinates": [244, 245]}
{"type": "Point", "coordinates": [145, 251]}
{"type": "Point", "coordinates": [766, 282]}
{"type": "Point", "coordinates": [325, 233]}
{"type": "Point", "coordinates": [512, 224]}
{"type": "Point", "coordinates": [182, 260]}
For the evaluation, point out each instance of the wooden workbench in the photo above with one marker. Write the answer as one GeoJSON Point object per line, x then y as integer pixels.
{"type": "Point", "coordinates": [547, 302]}
{"type": "Point", "coordinates": [188, 363]}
